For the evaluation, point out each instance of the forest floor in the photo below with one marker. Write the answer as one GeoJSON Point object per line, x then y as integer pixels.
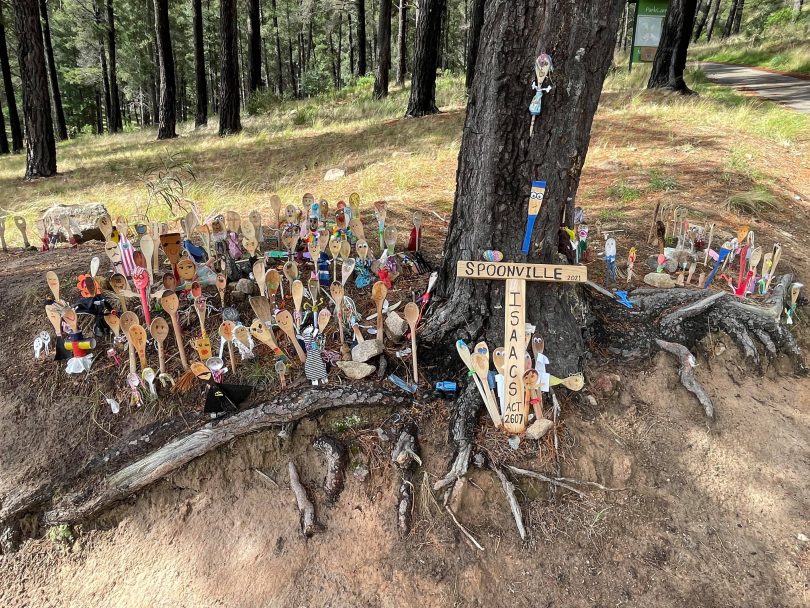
{"type": "Point", "coordinates": [710, 514]}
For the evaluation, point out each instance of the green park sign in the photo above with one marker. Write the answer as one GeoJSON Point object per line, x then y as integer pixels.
{"type": "Point", "coordinates": [647, 31]}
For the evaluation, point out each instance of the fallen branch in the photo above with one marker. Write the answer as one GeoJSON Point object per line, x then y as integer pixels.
{"type": "Point", "coordinates": [688, 379]}
{"type": "Point", "coordinates": [306, 509]}
{"type": "Point", "coordinates": [98, 495]}
{"type": "Point", "coordinates": [464, 531]}
{"type": "Point", "coordinates": [509, 489]}
{"type": "Point", "coordinates": [336, 457]}
{"type": "Point", "coordinates": [541, 477]}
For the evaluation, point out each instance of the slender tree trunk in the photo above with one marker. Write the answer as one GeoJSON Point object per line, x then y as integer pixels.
{"type": "Point", "coordinates": [351, 44]}
{"type": "Point", "coordinates": [738, 16]}
{"type": "Point", "coordinates": [201, 117]}
{"type": "Point", "coordinates": [473, 39]}
{"type": "Point", "coordinates": [626, 25]}
{"type": "Point", "coordinates": [712, 20]}
{"type": "Point", "coordinates": [4, 149]}
{"type": "Point", "coordinates": [8, 85]}
{"type": "Point", "coordinates": [797, 8]}
{"type": "Point", "coordinates": [268, 77]}
{"type": "Point", "coordinates": [229, 119]}
{"type": "Point", "coordinates": [105, 83]}
{"type": "Point", "coordinates": [254, 31]}
{"type": "Point", "coordinates": [702, 18]}
{"type": "Point", "coordinates": [498, 161]}
{"type": "Point", "coordinates": [361, 37]}
{"type": "Point", "coordinates": [340, 52]}
{"type": "Point", "coordinates": [670, 58]}
{"type": "Point", "coordinates": [732, 10]}
{"type": "Point", "coordinates": [59, 112]}
{"type": "Point", "coordinates": [99, 114]}
{"type": "Point", "coordinates": [293, 76]}
{"type": "Point", "coordinates": [426, 59]}
{"type": "Point", "coordinates": [332, 60]}
{"type": "Point", "coordinates": [383, 51]}
{"type": "Point", "coordinates": [115, 112]}
{"type": "Point", "coordinates": [40, 142]}
{"type": "Point", "coordinates": [167, 116]}
{"type": "Point", "coordinates": [279, 68]}
{"type": "Point", "coordinates": [402, 42]}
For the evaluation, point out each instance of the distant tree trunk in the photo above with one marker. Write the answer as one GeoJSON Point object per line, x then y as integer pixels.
{"type": "Point", "coordinates": [738, 17]}
{"type": "Point", "coordinates": [201, 116]}
{"type": "Point", "coordinates": [116, 124]}
{"type": "Point", "coordinates": [797, 8]}
{"type": "Point", "coordinates": [340, 52]}
{"type": "Point", "coordinates": [59, 112]}
{"type": "Point", "coordinates": [4, 149]}
{"type": "Point", "coordinates": [229, 119]}
{"type": "Point", "coordinates": [361, 37]}
{"type": "Point", "coordinates": [351, 44]}
{"type": "Point", "coordinates": [402, 42]}
{"type": "Point", "coordinates": [473, 39]}
{"type": "Point", "coordinates": [426, 59]}
{"type": "Point", "coordinates": [383, 51]}
{"type": "Point", "coordinates": [279, 69]}
{"type": "Point", "coordinates": [99, 114]}
{"type": "Point", "coordinates": [105, 81]}
{"type": "Point", "coordinates": [8, 85]}
{"type": "Point", "coordinates": [712, 20]}
{"type": "Point", "coordinates": [626, 25]}
{"type": "Point", "coordinates": [167, 113]}
{"type": "Point", "coordinates": [254, 32]}
{"type": "Point", "coordinates": [702, 18]}
{"type": "Point", "coordinates": [732, 10]}
{"type": "Point", "coordinates": [670, 58]}
{"type": "Point", "coordinates": [40, 142]}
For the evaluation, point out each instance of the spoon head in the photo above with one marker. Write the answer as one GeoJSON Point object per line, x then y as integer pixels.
{"type": "Point", "coordinates": [53, 283]}
{"type": "Point", "coordinates": [261, 307]}
{"type": "Point", "coordinates": [137, 335]}
{"type": "Point", "coordinates": [336, 291]}
{"type": "Point", "coordinates": [417, 219]}
{"type": "Point", "coordinates": [531, 379]}
{"type": "Point", "coordinates": [159, 329]}
{"type": "Point", "coordinates": [271, 280]}
{"type": "Point", "coordinates": [482, 349]}
{"type": "Point", "coordinates": [411, 314]}
{"type": "Point", "coordinates": [169, 282]}
{"type": "Point", "coordinates": [259, 271]}
{"type": "Point", "coordinates": [114, 323]}
{"type": "Point", "coordinates": [214, 364]}
{"type": "Point", "coordinates": [362, 249]}
{"type": "Point", "coordinates": [499, 359]}
{"type": "Point", "coordinates": [169, 302]}
{"type": "Point", "coordinates": [69, 316]}
{"type": "Point", "coordinates": [480, 365]}
{"type": "Point", "coordinates": [347, 269]}
{"type": "Point", "coordinates": [357, 229]}
{"type": "Point", "coordinates": [222, 281]}
{"type": "Point", "coordinates": [390, 237]}
{"type": "Point", "coordinates": [334, 247]}
{"type": "Point", "coordinates": [285, 321]}
{"type": "Point", "coordinates": [538, 344]}
{"type": "Point", "coordinates": [148, 374]}
{"type": "Point", "coordinates": [464, 352]}
{"type": "Point", "coordinates": [104, 224]}
{"type": "Point", "coordinates": [128, 320]}
{"type": "Point", "coordinates": [345, 249]}
{"type": "Point", "coordinates": [118, 282]}
{"type": "Point", "coordinates": [291, 271]}
{"type": "Point", "coordinates": [226, 329]}
{"type": "Point", "coordinates": [94, 264]}
{"type": "Point", "coordinates": [242, 334]}
{"type": "Point", "coordinates": [298, 293]}
{"type": "Point", "coordinates": [201, 371]}
{"type": "Point", "coordinates": [378, 293]}
{"type": "Point", "coordinates": [314, 288]}
{"type": "Point", "coordinates": [323, 319]}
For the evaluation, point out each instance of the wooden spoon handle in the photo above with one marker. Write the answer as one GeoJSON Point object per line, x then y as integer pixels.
{"type": "Point", "coordinates": [231, 356]}
{"type": "Point", "coordinates": [413, 356]}
{"type": "Point", "coordinates": [161, 358]}
{"type": "Point", "coordinates": [178, 336]}
{"type": "Point", "coordinates": [298, 350]}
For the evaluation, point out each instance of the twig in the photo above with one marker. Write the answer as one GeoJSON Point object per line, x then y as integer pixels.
{"type": "Point", "coordinates": [464, 530]}
{"type": "Point", "coordinates": [591, 483]}
{"type": "Point", "coordinates": [509, 489]}
{"type": "Point", "coordinates": [266, 477]}
{"type": "Point", "coordinates": [305, 507]}
{"type": "Point", "coordinates": [542, 477]}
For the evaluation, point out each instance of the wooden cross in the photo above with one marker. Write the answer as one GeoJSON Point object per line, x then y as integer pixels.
{"type": "Point", "coordinates": [516, 409]}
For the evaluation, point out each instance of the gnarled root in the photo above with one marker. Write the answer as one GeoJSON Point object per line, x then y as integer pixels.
{"type": "Point", "coordinates": [306, 509]}
{"type": "Point", "coordinates": [688, 379]}
{"type": "Point", "coordinates": [405, 456]}
{"type": "Point", "coordinates": [336, 457]}
{"type": "Point", "coordinates": [462, 426]}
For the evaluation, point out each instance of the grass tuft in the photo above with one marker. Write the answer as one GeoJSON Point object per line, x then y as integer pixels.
{"type": "Point", "coordinates": [757, 201]}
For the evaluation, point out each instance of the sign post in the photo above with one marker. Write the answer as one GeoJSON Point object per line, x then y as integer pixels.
{"type": "Point", "coordinates": [516, 409]}
{"type": "Point", "coordinates": [647, 28]}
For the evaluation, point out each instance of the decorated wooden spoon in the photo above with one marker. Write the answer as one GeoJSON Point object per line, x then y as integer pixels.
{"type": "Point", "coordinates": [148, 249]}
{"type": "Point", "coordinates": [464, 352]}
{"type": "Point", "coordinates": [129, 320]}
{"type": "Point", "coordinates": [262, 309]}
{"type": "Point", "coordinates": [114, 323]}
{"type": "Point", "coordinates": [334, 251]}
{"type": "Point", "coordinates": [314, 289]}
{"type": "Point", "coordinates": [160, 331]}
{"type": "Point", "coordinates": [480, 359]}
{"type": "Point", "coordinates": [347, 269]}
{"type": "Point", "coordinates": [137, 337]}
{"type": "Point", "coordinates": [272, 281]}
{"type": "Point", "coordinates": [226, 330]}
{"type": "Point", "coordinates": [574, 383]}
{"type": "Point", "coordinates": [258, 274]}
{"type": "Point", "coordinates": [170, 304]}
{"type": "Point", "coordinates": [242, 333]}
{"type": "Point", "coordinates": [249, 232]}
{"type": "Point", "coordinates": [531, 383]}
{"type": "Point", "coordinates": [119, 285]}
{"type": "Point", "coordinates": [275, 205]}
{"type": "Point", "coordinates": [337, 292]}
{"type": "Point", "coordinates": [323, 319]}
{"type": "Point", "coordinates": [222, 282]}
{"type": "Point", "coordinates": [378, 293]}
{"type": "Point", "coordinates": [53, 283]}
{"type": "Point", "coordinates": [285, 322]}
{"type": "Point", "coordinates": [357, 229]}
{"type": "Point", "coordinates": [104, 225]}
{"type": "Point", "coordinates": [411, 314]}
{"type": "Point", "coordinates": [265, 335]}
{"type": "Point", "coordinates": [362, 249]}
{"type": "Point", "coordinates": [298, 300]}
{"type": "Point", "coordinates": [54, 314]}
{"type": "Point", "coordinates": [71, 319]}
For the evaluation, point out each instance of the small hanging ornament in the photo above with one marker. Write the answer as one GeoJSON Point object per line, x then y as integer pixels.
{"type": "Point", "coordinates": [542, 68]}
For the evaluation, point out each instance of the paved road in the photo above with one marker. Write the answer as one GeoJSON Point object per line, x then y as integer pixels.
{"type": "Point", "coordinates": [785, 90]}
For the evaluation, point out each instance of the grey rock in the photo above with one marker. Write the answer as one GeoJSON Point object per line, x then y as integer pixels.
{"type": "Point", "coordinates": [355, 370]}
{"type": "Point", "coordinates": [75, 220]}
{"type": "Point", "coordinates": [360, 472]}
{"type": "Point", "coordinates": [247, 287]}
{"type": "Point", "coordinates": [334, 174]}
{"type": "Point", "coordinates": [367, 350]}
{"type": "Point", "coordinates": [395, 327]}
{"type": "Point", "coordinates": [539, 428]}
{"type": "Point", "coordinates": [659, 279]}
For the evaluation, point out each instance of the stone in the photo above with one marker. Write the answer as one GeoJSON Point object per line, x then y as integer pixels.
{"type": "Point", "coordinates": [360, 472]}
{"type": "Point", "coordinates": [395, 327]}
{"type": "Point", "coordinates": [659, 279]}
{"type": "Point", "coordinates": [334, 174]}
{"type": "Point", "coordinates": [367, 350]}
{"type": "Point", "coordinates": [247, 287]}
{"type": "Point", "coordinates": [606, 384]}
{"type": "Point", "coordinates": [539, 428]}
{"type": "Point", "coordinates": [355, 370]}
{"type": "Point", "coordinates": [75, 220]}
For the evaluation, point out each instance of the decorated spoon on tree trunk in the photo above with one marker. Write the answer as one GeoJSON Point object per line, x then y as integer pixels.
{"type": "Point", "coordinates": [464, 352]}
{"type": "Point", "coordinates": [160, 331]}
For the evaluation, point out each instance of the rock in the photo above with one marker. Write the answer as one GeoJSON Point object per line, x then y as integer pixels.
{"type": "Point", "coordinates": [606, 384]}
{"type": "Point", "coordinates": [539, 428]}
{"type": "Point", "coordinates": [514, 442]}
{"type": "Point", "coordinates": [659, 279]}
{"type": "Point", "coordinates": [360, 472]}
{"type": "Point", "coordinates": [591, 400]}
{"type": "Point", "coordinates": [367, 350]}
{"type": "Point", "coordinates": [395, 327]}
{"type": "Point", "coordinates": [802, 538]}
{"type": "Point", "coordinates": [247, 287]}
{"type": "Point", "coordinates": [78, 220]}
{"type": "Point", "coordinates": [10, 539]}
{"type": "Point", "coordinates": [355, 370]}
{"type": "Point", "coordinates": [334, 174]}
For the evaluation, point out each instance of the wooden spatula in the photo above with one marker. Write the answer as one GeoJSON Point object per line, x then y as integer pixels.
{"type": "Point", "coordinates": [337, 292]}
{"type": "Point", "coordinates": [378, 293]}
{"type": "Point", "coordinates": [298, 300]}
{"type": "Point", "coordinates": [160, 331]}
{"type": "Point", "coordinates": [411, 314]}
{"type": "Point", "coordinates": [170, 304]}
{"type": "Point", "coordinates": [285, 322]}
{"type": "Point", "coordinates": [226, 330]}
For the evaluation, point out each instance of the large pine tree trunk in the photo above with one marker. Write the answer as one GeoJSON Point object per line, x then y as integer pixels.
{"type": "Point", "coordinates": [402, 42]}
{"type": "Point", "coordinates": [116, 124]}
{"type": "Point", "coordinates": [59, 112]}
{"type": "Point", "coordinates": [254, 32]}
{"type": "Point", "coordinates": [201, 116]}
{"type": "Point", "coordinates": [4, 149]}
{"type": "Point", "coordinates": [361, 38]}
{"type": "Point", "coordinates": [229, 119]}
{"type": "Point", "coordinates": [702, 18]}
{"type": "Point", "coordinates": [381, 73]}
{"type": "Point", "coordinates": [473, 39]}
{"type": "Point", "coordinates": [40, 142]}
{"type": "Point", "coordinates": [732, 10]}
{"type": "Point", "coordinates": [105, 82]}
{"type": "Point", "coordinates": [426, 58]}
{"type": "Point", "coordinates": [670, 58]}
{"type": "Point", "coordinates": [279, 68]}
{"type": "Point", "coordinates": [351, 44]}
{"type": "Point", "coordinates": [8, 86]}
{"type": "Point", "coordinates": [712, 20]}
{"type": "Point", "coordinates": [167, 105]}
{"type": "Point", "coordinates": [738, 17]}
{"type": "Point", "coordinates": [498, 161]}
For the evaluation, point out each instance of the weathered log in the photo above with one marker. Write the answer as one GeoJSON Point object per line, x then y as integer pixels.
{"type": "Point", "coordinates": [306, 509]}
{"type": "Point", "coordinates": [293, 405]}
{"type": "Point", "coordinates": [687, 373]}
{"type": "Point", "coordinates": [336, 458]}
{"type": "Point", "coordinates": [405, 456]}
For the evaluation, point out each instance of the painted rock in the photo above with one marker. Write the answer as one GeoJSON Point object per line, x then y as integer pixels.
{"type": "Point", "coordinates": [490, 255]}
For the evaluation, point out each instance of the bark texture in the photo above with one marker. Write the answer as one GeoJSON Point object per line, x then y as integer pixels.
{"type": "Point", "coordinates": [498, 161]}
{"type": "Point", "coordinates": [8, 86]}
{"type": "Point", "coordinates": [279, 69]}
{"type": "Point", "coordinates": [474, 39]}
{"type": "Point", "coordinates": [712, 20]}
{"type": "Point", "coordinates": [40, 142]}
{"type": "Point", "coordinates": [116, 123]}
{"type": "Point", "coordinates": [167, 104]}
{"type": "Point", "coordinates": [402, 42]}
{"type": "Point", "coordinates": [381, 74]}
{"type": "Point", "coordinates": [361, 38]}
{"type": "Point", "coordinates": [702, 17]}
{"type": "Point", "coordinates": [58, 110]}
{"type": "Point", "coordinates": [732, 11]}
{"type": "Point", "coordinates": [201, 116]}
{"type": "Point", "coordinates": [426, 59]}
{"type": "Point", "coordinates": [670, 58]}
{"type": "Point", "coordinates": [229, 118]}
{"type": "Point", "coordinates": [254, 33]}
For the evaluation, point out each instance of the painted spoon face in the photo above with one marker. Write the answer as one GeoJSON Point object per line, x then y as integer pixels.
{"type": "Point", "coordinates": [196, 290]}
{"type": "Point", "coordinates": [499, 359]}
{"type": "Point", "coordinates": [104, 224]}
{"type": "Point", "coordinates": [201, 371]}
{"type": "Point", "coordinates": [69, 316]}
{"type": "Point", "coordinates": [55, 317]}
{"type": "Point", "coordinates": [242, 334]}
{"type": "Point", "coordinates": [226, 329]}
{"type": "Point", "coordinates": [114, 323]}
{"type": "Point", "coordinates": [137, 336]}
{"type": "Point", "coordinates": [291, 213]}
{"type": "Point", "coordinates": [258, 274]}
{"type": "Point", "coordinates": [113, 253]}
{"type": "Point", "coordinates": [378, 293]}
{"type": "Point", "coordinates": [201, 306]}
{"type": "Point", "coordinates": [480, 365]}
{"type": "Point", "coordinates": [482, 349]}
{"type": "Point", "coordinates": [251, 245]}
{"type": "Point", "coordinates": [285, 322]}
{"type": "Point", "coordinates": [118, 282]}
{"type": "Point", "coordinates": [411, 314]}
{"type": "Point", "coordinates": [323, 319]}
{"type": "Point", "coordinates": [362, 249]}
{"type": "Point", "coordinates": [538, 344]}
{"type": "Point", "coordinates": [128, 321]}
{"type": "Point", "coordinates": [314, 250]}
{"type": "Point", "coordinates": [170, 304]}
{"type": "Point", "coordinates": [417, 219]}
{"type": "Point", "coordinates": [53, 283]}
{"type": "Point", "coordinates": [298, 294]}
{"type": "Point", "coordinates": [357, 229]}
{"type": "Point", "coordinates": [336, 291]}
{"type": "Point", "coordinates": [334, 247]}
{"type": "Point", "coordinates": [187, 269]}
{"type": "Point", "coordinates": [291, 271]}
{"type": "Point", "coordinates": [169, 282]}
{"type": "Point", "coordinates": [222, 282]}
{"type": "Point", "coordinates": [347, 269]}
{"type": "Point", "coordinates": [260, 331]}
{"type": "Point", "coordinates": [159, 329]}
{"type": "Point", "coordinates": [271, 280]}
{"type": "Point", "coordinates": [531, 379]}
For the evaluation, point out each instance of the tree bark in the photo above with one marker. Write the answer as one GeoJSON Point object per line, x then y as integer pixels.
{"type": "Point", "coordinates": [402, 42]}
{"type": "Point", "coordinates": [738, 17]}
{"type": "Point", "coordinates": [8, 85]}
{"type": "Point", "coordinates": [712, 20]}
{"type": "Point", "coordinates": [426, 59]}
{"type": "Point", "coordinates": [361, 37]}
{"type": "Point", "coordinates": [167, 112]}
{"type": "Point", "coordinates": [59, 112]}
{"type": "Point", "coordinates": [229, 119]}
{"type": "Point", "coordinates": [279, 69]}
{"type": "Point", "coordinates": [116, 123]}
{"type": "Point", "coordinates": [670, 58]}
{"type": "Point", "coordinates": [4, 149]}
{"type": "Point", "coordinates": [732, 9]}
{"type": "Point", "coordinates": [254, 32]}
{"type": "Point", "coordinates": [702, 18]}
{"type": "Point", "coordinates": [105, 81]}
{"type": "Point", "coordinates": [498, 161]}
{"type": "Point", "coordinates": [99, 114]}
{"type": "Point", "coordinates": [40, 142]}
{"type": "Point", "coordinates": [201, 117]}
{"type": "Point", "coordinates": [351, 44]}
{"type": "Point", "coordinates": [383, 51]}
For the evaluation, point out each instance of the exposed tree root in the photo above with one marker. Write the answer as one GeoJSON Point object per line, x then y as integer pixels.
{"type": "Point", "coordinates": [509, 490]}
{"type": "Point", "coordinates": [688, 379]}
{"type": "Point", "coordinates": [336, 458]}
{"type": "Point", "coordinates": [306, 509]}
{"type": "Point", "coordinates": [405, 456]}
{"type": "Point", "coordinates": [462, 425]}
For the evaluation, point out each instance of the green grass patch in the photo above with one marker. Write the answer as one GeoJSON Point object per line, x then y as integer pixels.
{"type": "Point", "coordinates": [620, 191]}
{"type": "Point", "coordinates": [662, 183]}
{"type": "Point", "coordinates": [611, 215]}
{"type": "Point", "coordinates": [757, 201]}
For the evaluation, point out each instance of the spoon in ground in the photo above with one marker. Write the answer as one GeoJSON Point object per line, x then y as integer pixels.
{"type": "Point", "coordinates": [285, 321]}
{"type": "Point", "coordinates": [378, 293]}
{"type": "Point", "coordinates": [464, 352]}
{"type": "Point", "coordinates": [411, 314]}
